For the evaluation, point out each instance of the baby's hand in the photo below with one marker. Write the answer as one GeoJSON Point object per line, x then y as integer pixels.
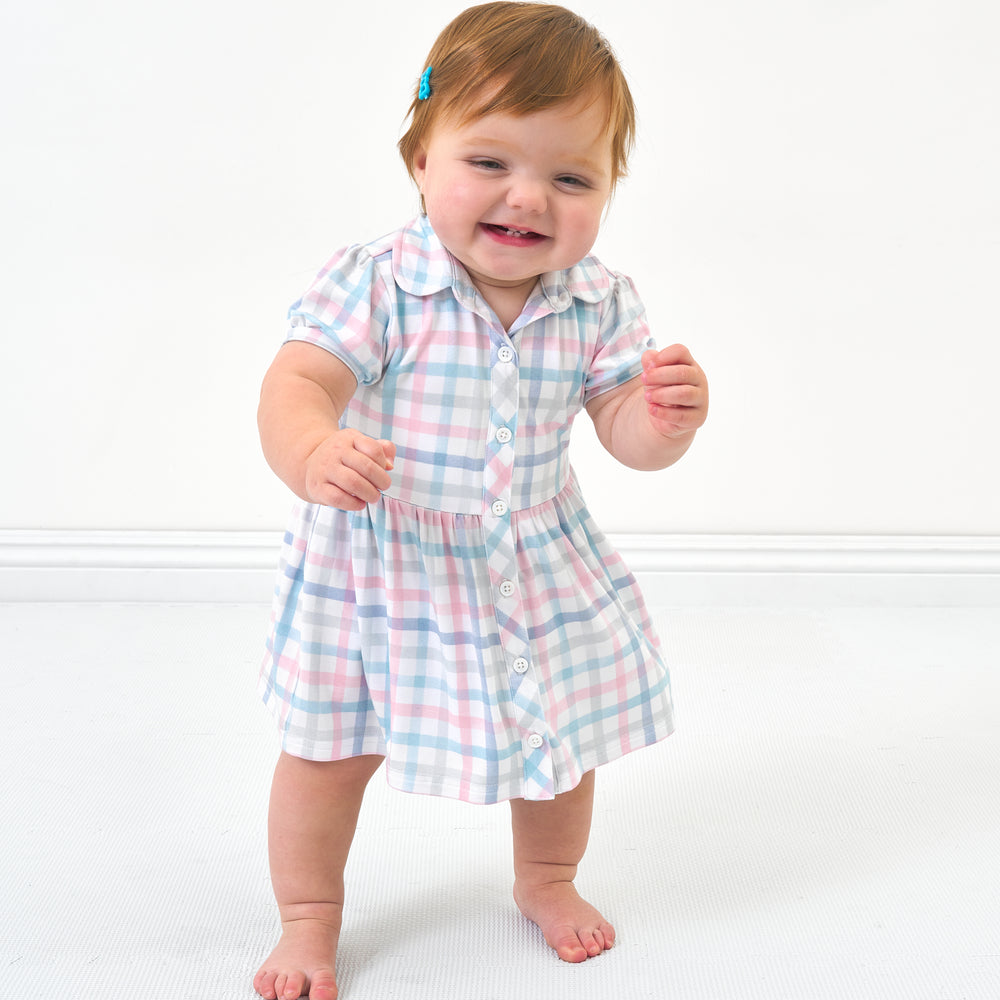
{"type": "Point", "coordinates": [676, 391]}
{"type": "Point", "coordinates": [348, 470]}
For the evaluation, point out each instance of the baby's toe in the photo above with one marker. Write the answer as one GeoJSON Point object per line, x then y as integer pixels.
{"type": "Point", "coordinates": [592, 942]}
{"type": "Point", "coordinates": [324, 986]}
{"type": "Point", "coordinates": [568, 945]}
{"type": "Point", "coordinates": [293, 987]}
{"type": "Point", "coordinates": [263, 983]}
{"type": "Point", "coordinates": [607, 932]}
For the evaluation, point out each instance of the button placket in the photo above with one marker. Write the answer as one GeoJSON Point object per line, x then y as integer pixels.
{"type": "Point", "coordinates": [502, 561]}
{"type": "Point", "coordinates": [499, 465]}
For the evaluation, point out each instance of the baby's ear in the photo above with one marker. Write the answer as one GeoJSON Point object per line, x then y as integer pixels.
{"type": "Point", "coordinates": [419, 164]}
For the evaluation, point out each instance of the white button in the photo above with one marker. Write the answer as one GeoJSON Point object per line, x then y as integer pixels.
{"type": "Point", "coordinates": [504, 435]}
{"type": "Point", "coordinates": [505, 354]}
{"type": "Point", "coordinates": [535, 741]}
{"type": "Point", "coordinates": [499, 508]}
{"type": "Point", "coordinates": [520, 665]}
{"type": "Point", "coordinates": [507, 588]}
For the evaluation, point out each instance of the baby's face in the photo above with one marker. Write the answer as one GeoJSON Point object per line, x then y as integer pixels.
{"type": "Point", "coordinates": [514, 197]}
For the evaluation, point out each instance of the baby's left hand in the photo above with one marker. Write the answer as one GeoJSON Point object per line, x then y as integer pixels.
{"type": "Point", "coordinates": [676, 391]}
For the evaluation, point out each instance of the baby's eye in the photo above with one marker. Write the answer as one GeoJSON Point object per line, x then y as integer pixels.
{"type": "Point", "coordinates": [488, 164]}
{"type": "Point", "coordinates": [571, 181]}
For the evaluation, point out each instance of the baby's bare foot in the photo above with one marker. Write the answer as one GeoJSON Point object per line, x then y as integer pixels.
{"type": "Point", "coordinates": [303, 962]}
{"type": "Point", "coordinates": [570, 924]}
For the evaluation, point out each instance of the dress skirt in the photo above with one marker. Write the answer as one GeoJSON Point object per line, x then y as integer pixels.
{"type": "Point", "coordinates": [392, 634]}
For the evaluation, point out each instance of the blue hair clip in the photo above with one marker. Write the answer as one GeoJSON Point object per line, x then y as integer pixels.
{"type": "Point", "coordinates": [425, 84]}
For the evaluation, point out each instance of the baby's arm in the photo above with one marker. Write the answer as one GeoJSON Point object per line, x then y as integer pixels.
{"type": "Point", "coordinates": [303, 395]}
{"type": "Point", "coordinates": [649, 422]}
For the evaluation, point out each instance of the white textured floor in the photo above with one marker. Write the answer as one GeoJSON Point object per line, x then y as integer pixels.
{"type": "Point", "coordinates": [825, 824]}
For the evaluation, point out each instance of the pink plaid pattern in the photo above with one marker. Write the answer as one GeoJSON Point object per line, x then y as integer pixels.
{"type": "Point", "coordinates": [474, 625]}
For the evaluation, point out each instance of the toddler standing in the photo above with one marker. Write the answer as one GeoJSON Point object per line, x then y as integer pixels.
{"type": "Point", "coordinates": [445, 601]}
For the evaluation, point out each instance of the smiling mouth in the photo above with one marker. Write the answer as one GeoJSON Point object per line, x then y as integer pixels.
{"type": "Point", "coordinates": [517, 234]}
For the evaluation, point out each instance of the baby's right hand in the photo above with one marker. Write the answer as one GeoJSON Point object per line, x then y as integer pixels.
{"type": "Point", "coordinates": [348, 470]}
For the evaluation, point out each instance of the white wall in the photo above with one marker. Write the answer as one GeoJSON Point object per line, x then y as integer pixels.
{"type": "Point", "coordinates": [813, 208]}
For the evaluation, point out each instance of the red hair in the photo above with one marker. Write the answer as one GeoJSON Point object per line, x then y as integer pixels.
{"type": "Point", "coordinates": [517, 58]}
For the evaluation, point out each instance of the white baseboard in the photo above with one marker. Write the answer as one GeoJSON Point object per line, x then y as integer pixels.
{"type": "Point", "coordinates": [674, 570]}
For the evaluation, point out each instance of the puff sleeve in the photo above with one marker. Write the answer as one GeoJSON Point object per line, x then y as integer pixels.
{"type": "Point", "coordinates": [345, 311]}
{"type": "Point", "coordinates": [623, 337]}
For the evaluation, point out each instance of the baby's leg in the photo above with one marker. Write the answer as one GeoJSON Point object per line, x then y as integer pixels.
{"type": "Point", "coordinates": [313, 814]}
{"type": "Point", "coordinates": [549, 841]}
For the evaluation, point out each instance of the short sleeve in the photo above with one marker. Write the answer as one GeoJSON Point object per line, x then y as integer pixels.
{"type": "Point", "coordinates": [624, 336]}
{"type": "Point", "coordinates": [345, 312]}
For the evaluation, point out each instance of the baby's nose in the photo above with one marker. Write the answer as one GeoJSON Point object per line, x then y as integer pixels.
{"type": "Point", "coordinates": [527, 195]}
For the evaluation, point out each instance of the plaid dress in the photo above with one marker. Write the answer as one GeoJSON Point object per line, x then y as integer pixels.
{"type": "Point", "coordinates": [473, 625]}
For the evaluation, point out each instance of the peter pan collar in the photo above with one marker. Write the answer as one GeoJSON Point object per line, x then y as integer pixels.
{"type": "Point", "coordinates": [422, 266]}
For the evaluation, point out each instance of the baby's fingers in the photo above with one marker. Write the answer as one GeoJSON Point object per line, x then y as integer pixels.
{"type": "Point", "coordinates": [369, 463]}
{"type": "Point", "coordinates": [684, 396]}
{"type": "Point", "coordinates": [672, 378]}
{"type": "Point", "coordinates": [671, 366]}
{"type": "Point", "coordinates": [382, 453]}
{"type": "Point", "coordinates": [675, 354]}
{"type": "Point", "coordinates": [349, 470]}
{"type": "Point", "coordinates": [675, 390]}
{"type": "Point", "coordinates": [343, 487]}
